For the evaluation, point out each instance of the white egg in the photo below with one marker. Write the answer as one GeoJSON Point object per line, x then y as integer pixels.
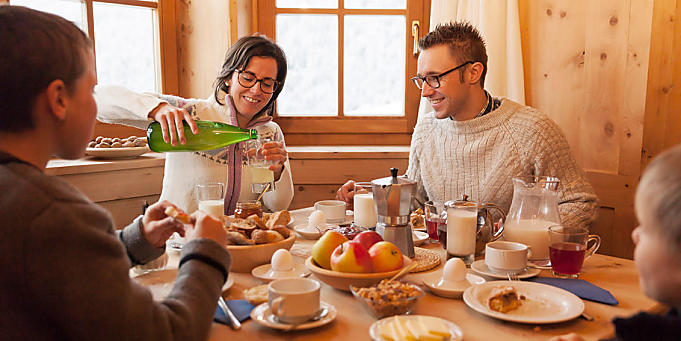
{"type": "Point", "coordinates": [317, 218]}
{"type": "Point", "coordinates": [282, 260]}
{"type": "Point", "coordinates": [454, 270]}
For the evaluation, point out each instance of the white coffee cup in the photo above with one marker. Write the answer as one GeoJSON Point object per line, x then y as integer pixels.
{"type": "Point", "coordinates": [294, 300]}
{"type": "Point", "coordinates": [506, 257]}
{"type": "Point", "coordinates": [334, 210]}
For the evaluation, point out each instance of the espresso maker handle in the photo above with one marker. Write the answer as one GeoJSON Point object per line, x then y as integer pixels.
{"type": "Point", "coordinates": [496, 232]}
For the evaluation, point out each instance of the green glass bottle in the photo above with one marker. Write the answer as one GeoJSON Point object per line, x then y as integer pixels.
{"type": "Point", "coordinates": [212, 135]}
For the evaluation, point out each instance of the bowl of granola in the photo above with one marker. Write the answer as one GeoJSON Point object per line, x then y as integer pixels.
{"type": "Point", "coordinates": [388, 298]}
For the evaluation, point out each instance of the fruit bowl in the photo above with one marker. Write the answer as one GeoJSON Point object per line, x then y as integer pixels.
{"type": "Point", "coordinates": [388, 298]}
{"type": "Point", "coordinates": [247, 257]}
{"type": "Point", "coordinates": [343, 280]}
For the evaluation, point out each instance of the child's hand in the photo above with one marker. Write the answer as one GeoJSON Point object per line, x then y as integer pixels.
{"type": "Point", "coordinates": [567, 337]}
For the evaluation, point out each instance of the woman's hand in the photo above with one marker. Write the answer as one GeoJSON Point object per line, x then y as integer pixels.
{"type": "Point", "coordinates": [157, 226]}
{"type": "Point", "coordinates": [171, 118]}
{"type": "Point", "coordinates": [276, 153]}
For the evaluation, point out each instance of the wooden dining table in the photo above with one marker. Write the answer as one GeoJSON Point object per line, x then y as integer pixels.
{"type": "Point", "coordinates": [617, 275]}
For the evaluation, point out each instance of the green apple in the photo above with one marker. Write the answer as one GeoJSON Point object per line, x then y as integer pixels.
{"type": "Point", "coordinates": [323, 248]}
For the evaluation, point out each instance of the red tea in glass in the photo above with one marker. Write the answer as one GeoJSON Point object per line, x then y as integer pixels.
{"type": "Point", "coordinates": [567, 258]}
{"type": "Point", "coordinates": [432, 225]}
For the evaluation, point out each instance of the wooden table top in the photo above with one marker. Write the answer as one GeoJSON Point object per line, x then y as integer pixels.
{"type": "Point", "coordinates": [617, 275]}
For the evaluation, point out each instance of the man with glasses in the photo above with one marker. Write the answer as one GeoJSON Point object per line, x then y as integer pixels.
{"type": "Point", "coordinates": [473, 143]}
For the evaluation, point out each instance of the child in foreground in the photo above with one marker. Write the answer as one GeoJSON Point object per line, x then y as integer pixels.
{"type": "Point", "coordinates": [657, 253]}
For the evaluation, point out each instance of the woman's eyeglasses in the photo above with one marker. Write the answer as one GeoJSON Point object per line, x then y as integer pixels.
{"type": "Point", "coordinates": [434, 80]}
{"type": "Point", "coordinates": [248, 79]}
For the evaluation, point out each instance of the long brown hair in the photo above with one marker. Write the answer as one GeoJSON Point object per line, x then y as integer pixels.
{"type": "Point", "coordinates": [240, 54]}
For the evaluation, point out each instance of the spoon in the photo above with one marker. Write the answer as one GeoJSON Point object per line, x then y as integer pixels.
{"type": "Point", "coordinates": [320, 315]}
{"type": "Point", "coordinates": [263, 191]}
{"type": "Point", "coordinates": [404, 271]}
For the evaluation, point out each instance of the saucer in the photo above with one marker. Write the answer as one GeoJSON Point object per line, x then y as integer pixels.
{"type": "Point", "coordinates": [481, 268]}
{"type": "Point", "coordinates": [263, 315]}
{"type": "Point", "coordinates": [266, 274]}
{"type": "Point", "coordinates": [310, 232]}
{"type": "Point", "coordinates": [544, 264]}
{"type": "Point", "coordinates": [419, 237]}
{"type": "Point", "coordinates": [436, 286]}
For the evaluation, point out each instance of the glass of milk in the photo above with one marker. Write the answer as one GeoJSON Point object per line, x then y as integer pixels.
{"type": "Point", "coordinates": [462, 222]}
{"type": "Point", "coordinates": [364, 208]}
{"type": "Point", "coordinates": [211, 198]}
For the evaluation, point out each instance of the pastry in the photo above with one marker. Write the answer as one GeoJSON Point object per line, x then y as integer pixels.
{"type": "Point", "coordinates": [256, 295]}
{"type": "Point", "coordinates": [178, 214]}
{"type": "Point", "coordinates": [266, 236]}
{"type": "Point", "coordinates": [283, 230]}
{"type": "Point", "coordinates": [279, 218]}
{"type": "Point", "coordinates": [504, 299]}
{"type": "Point", "coordinates": [257, 221]}
{"type": "Point", "coordinates": [238, 238]}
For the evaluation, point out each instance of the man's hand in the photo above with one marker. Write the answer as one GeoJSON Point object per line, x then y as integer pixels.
{"type": "Point", "coordinates": [346, 193]}
{"type": "Point", "coordinates": [206, 226]}
{"type": "Point", "coordinates": [171, 118]}
{"type": "Point", "coordinates": [157, 227]}
{"type": "Point", "coordinates": [567, 337]}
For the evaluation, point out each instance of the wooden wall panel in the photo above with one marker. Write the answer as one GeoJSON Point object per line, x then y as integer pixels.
{"type": "Point", "coordinates": [586, 66]}
{"type": "Point", "coordinates": [125, 210]}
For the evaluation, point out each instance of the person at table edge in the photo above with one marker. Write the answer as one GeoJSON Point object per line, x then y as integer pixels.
{"type": "Point", "coordinates": [64, 272]}
{"type": "Point", "coordinates": [473, 143]}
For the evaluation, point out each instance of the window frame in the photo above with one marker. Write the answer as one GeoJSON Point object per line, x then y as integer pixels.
{"type": "Point", "coordinates": [348, 129]}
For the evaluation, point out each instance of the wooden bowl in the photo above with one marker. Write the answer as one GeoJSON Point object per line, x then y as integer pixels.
{"type": "Point", "coordinates": [247, 257]}
{"type": "Point", "coordinates": [343, 280]}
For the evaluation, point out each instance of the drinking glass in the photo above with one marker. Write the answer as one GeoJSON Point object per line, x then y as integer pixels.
{"type": "Point", "coordinates": [211, 198]}
{"type": "Point", "coordinates": [434, 216]}
{"type": "Point", "coordinates": [261, 174]}
{"type": "Point", "coordinates": [462, 223]}
{"type": "Point", "coordinates": [364, 206]}
{"type": "Point", "coordinates": [568, 249]}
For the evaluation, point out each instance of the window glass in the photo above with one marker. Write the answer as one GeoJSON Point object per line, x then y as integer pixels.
{"type": "Point", "coordinates": [375, 4]}
{"type": "Point", "coordinates": [307, 3]}
{"type": "Point", "coordinates": [71, 10]}
{"type": "Point", "coordinates": [311, 46]}
{"type": "Point", "coordinates": [374, 65]}
{"type": "Point", "coordinates": [125, 46]}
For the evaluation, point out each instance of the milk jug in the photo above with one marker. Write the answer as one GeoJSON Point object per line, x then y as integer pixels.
{"type": "Point", "coordinates": [534, 208]}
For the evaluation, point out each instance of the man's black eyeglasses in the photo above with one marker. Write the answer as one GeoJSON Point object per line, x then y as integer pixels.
{"type": "Point", "coordinates": [434, 80]}
{"type": "Point", "coordinates": [248, 79]}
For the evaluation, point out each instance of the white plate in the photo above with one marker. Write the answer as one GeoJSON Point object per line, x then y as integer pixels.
{"type": "Point", "coordinates": [116, 153]}
{"type": "Point", "coordinates": [264, 272]}
{"type": "Point", "coordinates": [161, 282]}
{"type": "Point", "coordinates": [433, 283]}
{"type": "Point", "coordinates": [419, 237]}
{"type": "Point", "coordinates": [374, 330]}
{"type": "Point", "coordinates": [310, 232]}
{"type": "Point", "coordinates": [263, 315]}
{"type": "Point", "coordinates": [543, 303]}
{"type": "Point", "coordinates": [481, 268]}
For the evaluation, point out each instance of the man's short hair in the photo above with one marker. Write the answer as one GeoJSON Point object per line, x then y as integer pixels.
{"type": "Point", "coordinates": [660, 189]}
{"type": "Point", "coordinates": [464, 41]}
{"type": "Point", "coordinates": [36, 48]}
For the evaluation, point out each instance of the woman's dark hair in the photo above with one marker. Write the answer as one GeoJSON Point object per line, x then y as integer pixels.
{"type": "Point", "coordinates": [36, 49]}
{"type": "Point", "coordinates": [240, 54]}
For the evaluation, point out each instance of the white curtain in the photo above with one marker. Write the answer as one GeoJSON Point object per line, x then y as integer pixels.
{"type": "Point", "coordinates": [499, 25]}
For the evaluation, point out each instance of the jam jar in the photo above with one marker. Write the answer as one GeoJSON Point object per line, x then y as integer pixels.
{"type": "Point", "coordinates": [244, 209]}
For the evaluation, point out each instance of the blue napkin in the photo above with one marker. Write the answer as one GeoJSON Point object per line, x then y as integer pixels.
{"type": "Point", "coordinates": [579, 287]}
{"type": "Point", "coordinates": [240, 308]}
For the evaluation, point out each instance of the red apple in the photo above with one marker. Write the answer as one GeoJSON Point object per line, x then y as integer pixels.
{"type": "Point", "coordinates": [368, 238]}
{"type": "Point", "coordinates": [351, 257]}
{"type": "Point", "coordinates": [323, 248]}
{"type": "Point", "coordinates": [385, 256]}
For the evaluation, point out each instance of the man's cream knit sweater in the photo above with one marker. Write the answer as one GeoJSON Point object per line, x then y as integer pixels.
{"type": "Point", "coordinates": [479, 157]}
